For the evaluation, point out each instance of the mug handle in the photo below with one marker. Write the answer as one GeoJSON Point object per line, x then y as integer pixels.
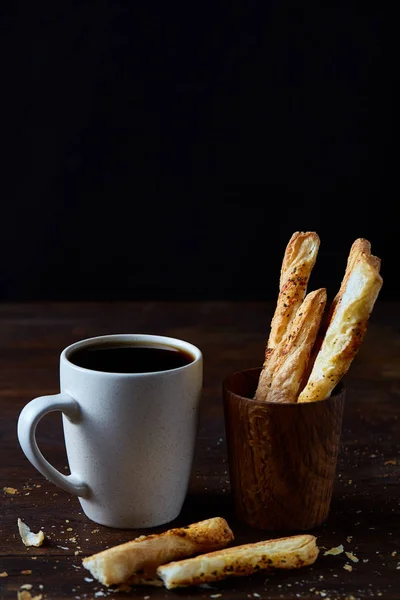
{"type": "Point", "coordinates": [27, 423]}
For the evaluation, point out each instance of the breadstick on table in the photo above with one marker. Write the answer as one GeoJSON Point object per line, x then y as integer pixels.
{"type": "Point", "coordinates": [291, 357]}
{"type": "Point", "coordinates": [298, 262]}
{"type": "Point", "coordinates": [137, 561]}
{"type": "Point", "coordinates": [359, 246]}
{"type": "Point", "coordinates": [238, 561]}
{"type": "Point", "coordinates": [346, 330]}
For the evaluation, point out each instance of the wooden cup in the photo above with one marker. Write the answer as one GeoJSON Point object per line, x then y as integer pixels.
{"type": "Point", "coordinates": [282, 457]}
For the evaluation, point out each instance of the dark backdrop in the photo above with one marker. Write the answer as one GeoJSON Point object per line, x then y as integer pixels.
{"type": "Point", "coordinates": [164, 151]}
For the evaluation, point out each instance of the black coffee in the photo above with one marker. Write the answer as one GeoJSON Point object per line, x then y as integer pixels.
{"type": "Point", "coordinates": [114, 358]}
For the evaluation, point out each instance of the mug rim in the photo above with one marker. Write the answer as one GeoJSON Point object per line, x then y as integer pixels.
{"type": "Point", "coordinates": [176, 343]}
{"type": "Point", "coordinates": [338, 391]}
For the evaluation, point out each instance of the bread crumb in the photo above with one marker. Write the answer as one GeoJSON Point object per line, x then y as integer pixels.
{"type": "Point", "coordinates": [349, 538]}
{"type": "Point", "coordinates": [28, 537]}
{"type": "Point", "coordinates": [25, 595]}
{"type": "Point", "coordinates": [391, 462]}
{"type": "Point", "coordinates": [4, 574]}
{"type": "Point", "coordinates": [334, 551]}
{"type": "Point", "coordinates": [351, 556]}
{"type": "Point", "coordinates": [10, 491]}
{"type": "Point", "coordinates": [394, 553]}
{"type": "Point", "coordinates": [347, 567]}
{"type": "Point", "coordinates": [26, 572]}
{"type": "Point", "coordinates": [26, 586]}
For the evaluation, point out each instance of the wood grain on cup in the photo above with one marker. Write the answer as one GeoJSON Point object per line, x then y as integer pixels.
{"type": "Point", "coordinates": [282, 457]}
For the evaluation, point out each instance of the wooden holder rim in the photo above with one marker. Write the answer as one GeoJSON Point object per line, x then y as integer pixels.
{"type": "Point", "coordinates": [337, 393]}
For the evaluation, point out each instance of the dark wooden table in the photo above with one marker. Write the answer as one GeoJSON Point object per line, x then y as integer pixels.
{"type": "Point", "coordinates": [365, 513]}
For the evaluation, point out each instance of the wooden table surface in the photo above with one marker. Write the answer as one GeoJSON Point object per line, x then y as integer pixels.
{"type": "Point", "coordinates": [365, 513]}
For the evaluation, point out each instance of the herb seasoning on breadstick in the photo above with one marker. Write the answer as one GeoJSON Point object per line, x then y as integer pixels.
{"type": "Point", "coordinates": [291, 358]}
{"type": "Point", "coordinates": [298, 262]}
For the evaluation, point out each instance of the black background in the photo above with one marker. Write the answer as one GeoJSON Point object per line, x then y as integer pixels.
{"type": "Point", "coordinates": [163, 151]}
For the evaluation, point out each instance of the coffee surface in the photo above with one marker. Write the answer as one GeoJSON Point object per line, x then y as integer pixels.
{"type": "Point", "coordinates": [130, 359]}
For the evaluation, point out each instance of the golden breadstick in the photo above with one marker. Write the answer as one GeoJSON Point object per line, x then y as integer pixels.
{"type": "Point", "coordinates": [298, 261]}
{"type": "Point", "coordinates": [346, 329]}
{"type": "Point", "coordinates": [291, 357]}
{"type": "Point", "coordinates": [238, 561]}
{"type": "Point", "coordinates": [137, 561]}
{"type": "Point", "coordinates": [359, 246]}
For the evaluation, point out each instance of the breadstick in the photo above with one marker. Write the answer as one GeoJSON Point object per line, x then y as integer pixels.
{"type": "Point", "coordinates": [359, 246]}
{"type": "Point", "coordinates": [283, 553]}
{"type": "Point", "coordinates": [138, 560]}
{"type": "Point", "coordinates": [291, 357]}
{"type": "Point", "coordinates": [346, 330]}
{"type": "Point", "coordinates": [298, 261]}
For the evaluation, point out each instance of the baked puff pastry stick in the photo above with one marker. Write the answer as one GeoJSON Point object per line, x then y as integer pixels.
{"type": "Point", "coordinates": [359, 246]}
{"type": "Point", "coordinates": [346, 329]}
{"type": "Point", "coordinates": [136, 561]}
{"type": "Point", "coordinates": [290, 360]}
{"type": "Point", "coordinates": [298, 262]}
{"type": "Point", "coordinates": [238, 561]}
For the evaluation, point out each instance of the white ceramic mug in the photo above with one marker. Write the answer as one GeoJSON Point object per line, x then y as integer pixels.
{"type": "Point", "coordinates": [130, 437]}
